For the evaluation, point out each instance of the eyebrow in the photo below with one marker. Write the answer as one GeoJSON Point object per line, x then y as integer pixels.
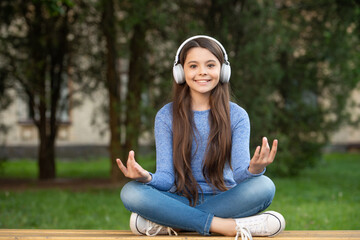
{"type": "Point", "coordinates": [208, 61]}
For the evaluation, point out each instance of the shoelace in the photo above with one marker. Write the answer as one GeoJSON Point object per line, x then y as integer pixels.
{"type": "Point", "coordinates": [242, 231]}
{"type": "Point", "coordinates": [158, 229]}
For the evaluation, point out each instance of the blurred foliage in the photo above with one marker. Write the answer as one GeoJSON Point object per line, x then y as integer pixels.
{"type": "Point", "coordinates": [294, 63]}
{"type": "Point", "coordinates": [293, 69]}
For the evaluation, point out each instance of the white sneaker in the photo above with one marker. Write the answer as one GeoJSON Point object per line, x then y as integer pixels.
{"type": "Point", "coordinates": [267, 224]}
{"type": "Point", "coordinates": [142, 226]}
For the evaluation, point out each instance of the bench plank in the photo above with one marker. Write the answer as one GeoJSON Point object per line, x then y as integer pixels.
{"type": "Point", "coordinates": [56, 234]}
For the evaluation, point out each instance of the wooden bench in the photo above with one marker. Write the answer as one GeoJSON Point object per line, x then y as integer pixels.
{"type": "Point", "coordinates": [34, 234]}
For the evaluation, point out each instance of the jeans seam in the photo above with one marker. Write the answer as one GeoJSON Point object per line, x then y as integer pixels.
{"type": "Point", "coordinates": [207, 224]}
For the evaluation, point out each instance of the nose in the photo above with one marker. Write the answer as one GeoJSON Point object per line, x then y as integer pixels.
{"type": "Point", "coordinates": [202, 70]}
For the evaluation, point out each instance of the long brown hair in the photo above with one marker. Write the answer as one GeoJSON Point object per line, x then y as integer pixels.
{"type": "Point", "coordinates": [218, 151]}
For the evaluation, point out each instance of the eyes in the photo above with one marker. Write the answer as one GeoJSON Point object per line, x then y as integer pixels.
{"type": "Point", "coordinates": [209, 65]}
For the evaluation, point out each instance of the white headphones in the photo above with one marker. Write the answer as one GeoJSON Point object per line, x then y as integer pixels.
{"type": "Point", "coordinates": [178, 71]}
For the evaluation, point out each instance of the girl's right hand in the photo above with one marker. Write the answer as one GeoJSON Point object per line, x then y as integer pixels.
{"type": "Point", "coordinates": [133, 170]}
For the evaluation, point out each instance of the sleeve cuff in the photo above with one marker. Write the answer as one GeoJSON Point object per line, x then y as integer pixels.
{"type": "Point", "coordinates": [254, 175]}
{"type": "Point", "coordinates": [152, 178]}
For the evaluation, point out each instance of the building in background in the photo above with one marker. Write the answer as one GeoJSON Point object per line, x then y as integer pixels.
{"type": "Point", "coordinates": [79, 133]}
{"type": "Point", "coordinates": [83, 130]}
{"type": "Point", "coordinates": [347, 138]}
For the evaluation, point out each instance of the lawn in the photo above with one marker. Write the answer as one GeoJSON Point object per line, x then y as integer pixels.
{"type": "Point", "coordinates": [326, 197]}
{"type": "Point", "coordinates": [25, 168]}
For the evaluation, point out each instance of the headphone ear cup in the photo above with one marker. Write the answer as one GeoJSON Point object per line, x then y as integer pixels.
{"type": "Point", "coordinates": [225, 73]}
{"type": "Point", "coordinates": [178, 73]}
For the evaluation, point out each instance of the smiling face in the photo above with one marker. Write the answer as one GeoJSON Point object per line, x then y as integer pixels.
{"type": "Point", "coordinates": [202, 72]}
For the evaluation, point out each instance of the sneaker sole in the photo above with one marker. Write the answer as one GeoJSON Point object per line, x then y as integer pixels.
{"type": "Point", "coordinates": [133, 226]}
{"type": "Point", "coordinates": [281, 220]}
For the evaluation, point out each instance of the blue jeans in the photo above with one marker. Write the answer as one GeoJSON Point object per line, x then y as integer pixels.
{"type": "Point", "coordinates": [170, 209]}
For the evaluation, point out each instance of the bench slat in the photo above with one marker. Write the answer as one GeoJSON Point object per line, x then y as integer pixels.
{"type": "Point", "coordinates": [68, 234]}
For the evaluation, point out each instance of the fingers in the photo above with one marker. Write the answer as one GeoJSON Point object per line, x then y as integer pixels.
{"type": "Point", "coordinates": [133, 170]}
{"type": "Point", "coordinates": [273, 150]}
{"type": "Point", "coordinates": [121, 166]}
{"type": "Point", "coordinates": [256, 154]}
{"type": "Point", "coordinates": [266, 154]}
{"type": "Point", "coordinates": [131, 156]}
{"type": "Point", "coordinates": [265, 148]}
{"type": "Point", "coordinates": [263, 155]}
{"type": "Point", "coordinates": [130, 163]}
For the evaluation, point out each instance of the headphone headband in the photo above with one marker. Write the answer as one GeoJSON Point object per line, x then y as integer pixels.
{"type": "Point", "coordinates": [200, 36]}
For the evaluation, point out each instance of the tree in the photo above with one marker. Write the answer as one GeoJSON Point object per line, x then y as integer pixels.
{"type": "Point", "coordinates": [108, 26]}
{"type": "Point", "coordinates": [143, 25]}
{"type": "Point", "coordinates": [41, 67]}
{"type": "Point", "coordinates": [318, 74]}
{"type": "Point", "coordinates": [293, 67]}
{"type": "Point", "coordinates": [130, 111]}
{"type": "Point", "coordinates": [37, 50]}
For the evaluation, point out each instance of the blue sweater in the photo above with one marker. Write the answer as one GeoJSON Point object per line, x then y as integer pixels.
{"type": "Point", "coordinates": [164, 177]}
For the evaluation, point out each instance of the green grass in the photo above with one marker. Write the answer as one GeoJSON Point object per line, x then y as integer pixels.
{"type": "Point", "coordinates": [326, 197]}
{"type": "Point", "coordinates": [25, 168]}
{"type": "Point", "coordinates": [92, 168]}
{"type": "Point", "coordinates": [62, 209]}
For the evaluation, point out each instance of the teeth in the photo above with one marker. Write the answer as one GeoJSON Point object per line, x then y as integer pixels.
{"type": "Point", "coordinates": [202, 81]}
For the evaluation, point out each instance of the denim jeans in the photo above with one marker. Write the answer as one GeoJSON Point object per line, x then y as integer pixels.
{"type": "Point", "coordinates": [170, 209]}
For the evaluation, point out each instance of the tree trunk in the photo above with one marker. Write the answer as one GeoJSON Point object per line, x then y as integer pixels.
{"type": "Point", "coordinates": [46, 154]}
{"type": "Point", "coordinates": [113, 86]}
{"type": "Point", "coordinates": [137, 77]}
{"type": "Point", "coordinates": [46, 159]}
{"type": "Point", "coordinates": [48, 59]}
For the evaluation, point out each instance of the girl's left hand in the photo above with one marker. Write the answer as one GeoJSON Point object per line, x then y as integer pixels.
{"type": "Point", "coordinates": [264, 157]}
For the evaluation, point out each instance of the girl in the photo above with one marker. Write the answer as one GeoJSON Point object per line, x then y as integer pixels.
{"type": "Point", "coordinates": [204, 179]}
